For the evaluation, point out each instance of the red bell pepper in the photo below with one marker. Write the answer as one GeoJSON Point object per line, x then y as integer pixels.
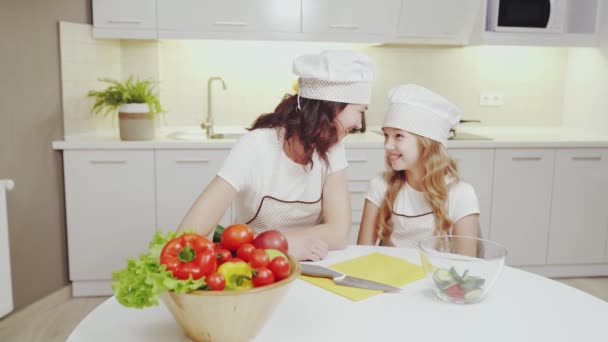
{"type": "Point", "coordinates": [189, 255]}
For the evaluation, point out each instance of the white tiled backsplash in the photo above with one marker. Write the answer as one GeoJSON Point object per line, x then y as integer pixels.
{"type": "Point", "coordinates": [258, 74]}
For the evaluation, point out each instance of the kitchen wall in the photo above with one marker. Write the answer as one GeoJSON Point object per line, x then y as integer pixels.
{"type": "Point", "coordinates": [258, 74]}
{"type": "Point", "coordinates": [30, 119]}
{"type": "Point", "coordinates": [586, 101]}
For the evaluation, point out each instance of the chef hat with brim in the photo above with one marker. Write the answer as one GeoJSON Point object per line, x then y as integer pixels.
{"type": "Point", "coordinates": [335, 75]}
{"type": "Point", "coordinates": [420, 111]}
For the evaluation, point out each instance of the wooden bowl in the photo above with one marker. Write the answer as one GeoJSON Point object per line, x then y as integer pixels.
{"type": "Point", "coordinates": [228, 316]}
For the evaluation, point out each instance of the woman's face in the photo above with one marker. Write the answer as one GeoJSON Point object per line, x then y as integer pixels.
{"type": "Point", "coordinates": [402, 149]}
{"type": "Point", "coordinates": [349, 119]}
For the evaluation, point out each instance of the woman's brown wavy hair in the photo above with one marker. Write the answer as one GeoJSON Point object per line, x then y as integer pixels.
{"type": "Point", "coordinates": [437, 165]}
{"type": "Point", "coordinates": [314, 124]}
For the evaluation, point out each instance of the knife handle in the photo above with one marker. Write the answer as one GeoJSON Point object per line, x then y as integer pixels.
{"type": "Point", "coordinates": [319, 271]}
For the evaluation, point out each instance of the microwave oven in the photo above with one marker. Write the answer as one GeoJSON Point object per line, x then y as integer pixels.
{"type": "Point", "coordinates": [534, 16]}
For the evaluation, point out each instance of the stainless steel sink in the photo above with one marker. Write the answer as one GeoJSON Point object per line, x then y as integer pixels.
{"type": "Point", "coordinates": [198, 134]}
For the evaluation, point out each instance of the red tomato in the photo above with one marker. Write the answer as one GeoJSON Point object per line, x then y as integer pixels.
{"type": "Point", "coordinates": [259, 258]}
{"type": "Point", "coordinates": [216, 281]}
{"type": "Point", "coordinates": [262, 277]}
{"type": "Point", "coordinates": [271, 239]}
{"type": "Point", "coordinates": [222, 256]}
{"type": "Point", "coordinates": [455, 291]}
{"type": "Point", "coordinates": [244, 252]}
{"type": "Point", "coordinates": [236, 235]}
{"type": "Point", "coordinates": [280, 267]}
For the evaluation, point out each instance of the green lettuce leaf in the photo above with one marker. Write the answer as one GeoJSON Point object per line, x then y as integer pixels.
{"type": "Point", "coordinates": [144, 279]}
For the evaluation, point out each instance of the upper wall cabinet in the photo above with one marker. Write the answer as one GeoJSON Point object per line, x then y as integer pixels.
{"type": "Point", "coordinates": [349, 20]}
{"type": "Point", "coordinates": [436, 21]}
{"type": "Point", "coordinates": [227, 19]}
{"type": "Point", "coordinates": [548, 23]}
{"type": "Point", "coordinates": [124, 19]}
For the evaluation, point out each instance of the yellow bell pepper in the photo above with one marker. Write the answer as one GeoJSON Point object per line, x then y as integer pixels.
{"type": "Point", "coordinates": [237, 274]}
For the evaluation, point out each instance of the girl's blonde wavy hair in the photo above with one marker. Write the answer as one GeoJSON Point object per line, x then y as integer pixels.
{"type": "Point", "coordinates": [438, 165]}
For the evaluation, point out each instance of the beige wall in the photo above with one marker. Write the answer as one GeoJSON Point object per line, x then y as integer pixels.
{"type": "Point", "coordinates": [30, 119]}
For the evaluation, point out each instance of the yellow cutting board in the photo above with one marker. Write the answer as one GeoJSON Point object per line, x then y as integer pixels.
{"type": "Point", "coordinates": [377, 267]}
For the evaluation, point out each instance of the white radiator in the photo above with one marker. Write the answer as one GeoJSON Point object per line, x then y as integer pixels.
{"type": "Point", "coordinates": [6, 287]}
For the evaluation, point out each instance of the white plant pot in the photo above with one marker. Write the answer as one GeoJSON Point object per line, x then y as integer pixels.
{"type": "Point", "coordinates": [135, 122]}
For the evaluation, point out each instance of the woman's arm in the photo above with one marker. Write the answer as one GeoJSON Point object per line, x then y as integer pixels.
{"type": "Point", "coordinates": [209, 207]}
{"type": "Point", "coordinates": [312, 243]}
{"type": "Point", "coordinates": [467, 226]}
{"type": "Point", "coordinates": [368, 231]}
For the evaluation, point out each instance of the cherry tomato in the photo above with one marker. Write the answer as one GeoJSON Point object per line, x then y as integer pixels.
{"type": "Point", "coordinates": [236, 235]}
{"type": "Point", "coordinates": [271, 239]}
{"type": "Point", "coordinates": [215, 281]}
{"type": "Point", "coordinates": [244, 252]}
{"type": "Point", "coordinates": [280, 267]}
{"type": "Point", "coordinates": [259, 258]}
{"type": "Point", "coordinates": [223, 255]}
{"type": "Point", "coordinates": [262, 277]}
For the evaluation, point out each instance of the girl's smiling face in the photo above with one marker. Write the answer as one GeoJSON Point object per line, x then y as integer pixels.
{"type": "Point", "coordinates": [402, 149]}
{"type": "Point", "coordinates": [349, 119]}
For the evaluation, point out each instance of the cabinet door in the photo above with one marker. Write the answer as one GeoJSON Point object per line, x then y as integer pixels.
{"type": "Point", "coordinates": [199, 18]}
{"type": "Point", "coordinates": [357, 191]}
{"type": "Point", "coordinates": [110, 209]}
{"type": "Point", "coordinates": [476, 167]}
{"type": "Point", "coordinates": [579, 213]}
{"type": "Point", "coordinates": [181, 175]}
{"type": "Point", "coordinates": [124, 18]}
{"type": "Point", "coordinates": [438, 19]}
{"type": "Point", "coordinates": [349, 17]}
{"type": "Point", "coordinates": [521, 203]}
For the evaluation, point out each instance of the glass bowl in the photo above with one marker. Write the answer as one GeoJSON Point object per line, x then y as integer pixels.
{"type": "Point", "coordinates": [462, 269]}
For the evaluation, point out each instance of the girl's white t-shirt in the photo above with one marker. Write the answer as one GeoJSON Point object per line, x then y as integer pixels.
{"type": "Point", "coordinates": [462, 200]}
{"type": "Point", "coordinates": [250, 169]}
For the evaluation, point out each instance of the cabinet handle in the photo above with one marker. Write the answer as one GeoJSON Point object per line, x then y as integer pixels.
{"type": "Point", "coordinates": [192, 161]}
{"type": "Point", "coordinates": [231, 23]}
{"type": "Point", "coordinates": [526, 158]}
{"type": "Point", "coordinates": [357, 191]}
{"type": "Point", "coordinates": [344, 27]}
{"type": "Point", "coordinates": [108, 161]}
{"type": "Point", "coordinates": [360, 160]}
{"type": "Point", "coordinates": [587, 158]}
{"type": "Point", "coordinates": [135, 22]}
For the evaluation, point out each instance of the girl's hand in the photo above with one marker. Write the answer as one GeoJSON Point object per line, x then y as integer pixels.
{"type": "Point", "coordinates": [308, 248]}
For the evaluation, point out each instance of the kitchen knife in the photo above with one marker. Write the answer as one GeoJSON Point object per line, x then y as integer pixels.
{"type": "Point", "coordinates": [345, 280]}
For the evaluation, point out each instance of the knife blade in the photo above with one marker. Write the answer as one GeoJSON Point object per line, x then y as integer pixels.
{"type": "Point", "coordinates": [345, 280]}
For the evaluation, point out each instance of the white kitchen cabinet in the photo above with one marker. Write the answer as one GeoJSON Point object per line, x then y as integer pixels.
{"type": "Point", "coordinates": [436, 21]}
{"type": "Point", "coordinates": [521, 203]}
{"type": "Point", "coordinates": [132, 19]}
{"type": "Point", "coordinates": [579, 213]}
{"type": "Point", "coordinates": [350, 19]}
{"type": "Point", "coordinates": [476, 167]}
{"type": "Point", "coordinates": [181, 175]}
{"type": "Point", "coordinates": [581, 28]}
{"type": "Point", "coordinates": [223, 19]}
{"type": "Point", "coordinates": [110, 210]}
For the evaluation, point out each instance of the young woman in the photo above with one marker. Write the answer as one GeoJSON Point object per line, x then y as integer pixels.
{"type": "Point", "coordinates": [420, 194]}
{"type": "Point", "coordinates": [288, 172]}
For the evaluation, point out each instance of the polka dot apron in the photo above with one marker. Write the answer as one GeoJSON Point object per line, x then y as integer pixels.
{"type": "Point", "coordinates": [284, 216]}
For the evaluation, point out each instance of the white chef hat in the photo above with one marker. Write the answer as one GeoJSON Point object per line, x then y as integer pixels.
{"type": "Point", "coordinates": [335, 75]}
{"type": "Point", "coordinates": [420, 111]}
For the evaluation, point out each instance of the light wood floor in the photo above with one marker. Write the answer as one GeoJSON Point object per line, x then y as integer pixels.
{"type": "Point", "coordinates": [54, 317]}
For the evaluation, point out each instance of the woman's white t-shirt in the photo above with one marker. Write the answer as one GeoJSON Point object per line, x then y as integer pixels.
{"type": "Point", "coordinates": [250, 170]}
{"type": "Point", "coordinates": [411, 204]}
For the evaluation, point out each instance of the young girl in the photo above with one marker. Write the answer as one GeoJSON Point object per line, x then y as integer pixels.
{"type": "Point", "coordinates": [420, 194]}
{"type": "Point", "coordinates": [288, 172]}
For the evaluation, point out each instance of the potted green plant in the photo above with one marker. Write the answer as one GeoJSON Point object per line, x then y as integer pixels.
{"type": "Point", "coordinates": [136, 103]}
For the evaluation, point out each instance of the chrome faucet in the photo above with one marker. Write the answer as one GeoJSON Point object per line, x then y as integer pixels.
{"type": "Point", "coordinates": [208, 124]}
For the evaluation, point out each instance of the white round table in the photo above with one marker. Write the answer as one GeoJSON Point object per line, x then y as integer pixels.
{"type": "Point", "coordinates": [521, 307]}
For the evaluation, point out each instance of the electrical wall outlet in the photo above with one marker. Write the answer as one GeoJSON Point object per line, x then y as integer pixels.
{"type": "Point", "coordinates": [491, 99]}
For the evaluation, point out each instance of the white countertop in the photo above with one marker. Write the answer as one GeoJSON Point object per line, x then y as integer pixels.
{"type": "Point", "coordinates": [193, 138]}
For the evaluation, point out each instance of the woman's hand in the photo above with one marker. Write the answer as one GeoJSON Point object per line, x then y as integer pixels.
{"type": "Point", "coordinates": [308, 248]}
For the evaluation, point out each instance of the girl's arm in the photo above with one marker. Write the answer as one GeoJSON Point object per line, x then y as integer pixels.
{"type": "Point", "coordinates": [313, 243]}
{"type": "Point", "coordinates": [467, 226]}
{"type": "Point", "coordinates": [209, 207]}
{"type": "Point", "coordinates": [369, 223]}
